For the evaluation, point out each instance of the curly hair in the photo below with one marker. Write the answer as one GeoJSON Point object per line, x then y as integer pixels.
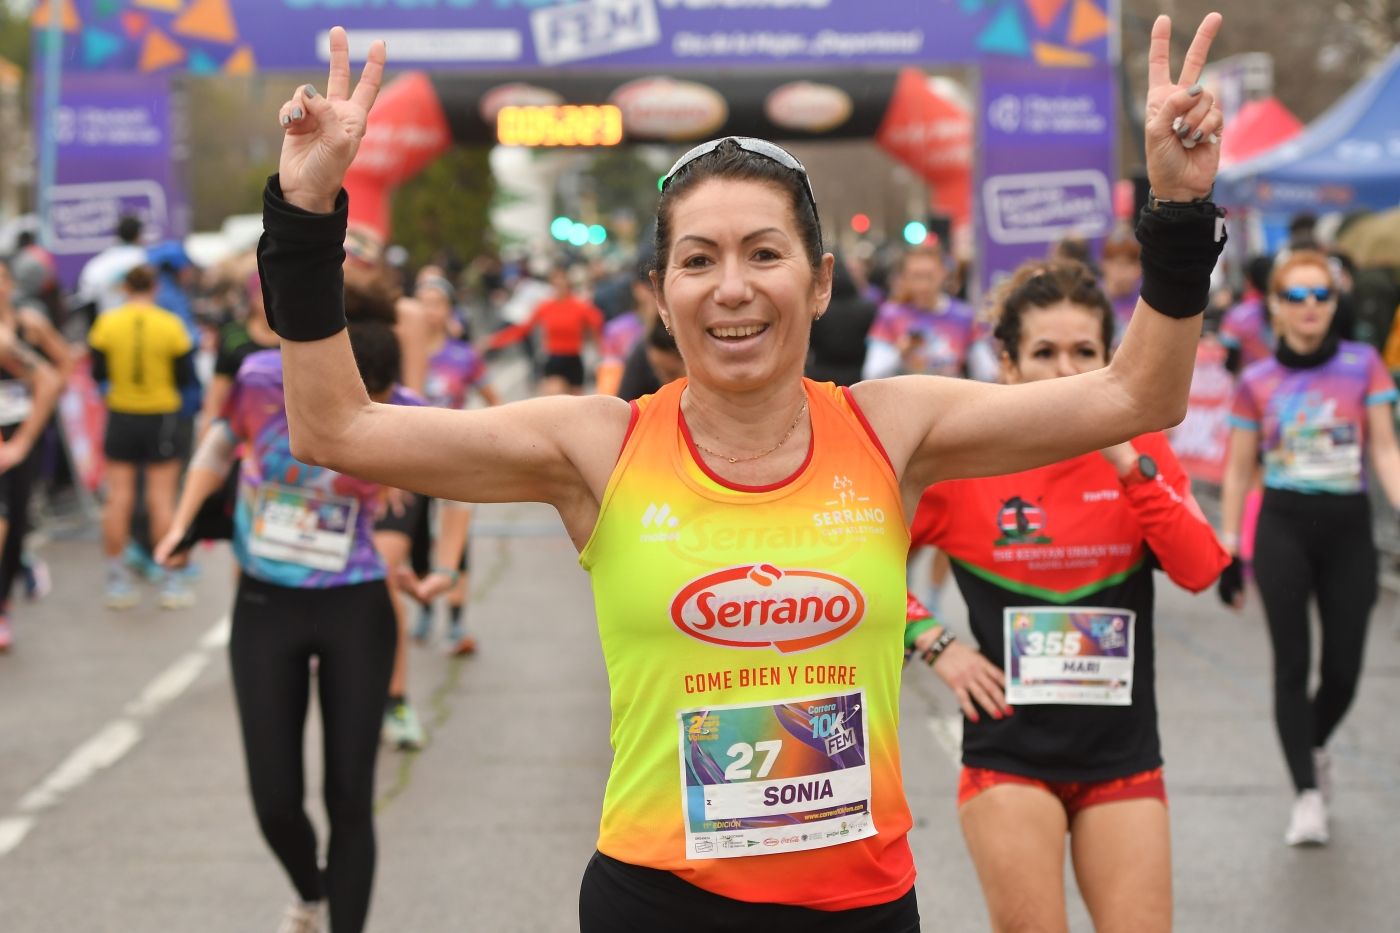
{"type": "Point", "coordinates": [1041, 284]}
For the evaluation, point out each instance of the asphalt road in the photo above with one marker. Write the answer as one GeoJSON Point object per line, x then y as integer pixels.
{"type": "Point", "coordinates": [123, 804]}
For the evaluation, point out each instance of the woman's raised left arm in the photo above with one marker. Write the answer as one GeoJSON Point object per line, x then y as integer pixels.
{"type": "Point", "coordinates": [936, 429]}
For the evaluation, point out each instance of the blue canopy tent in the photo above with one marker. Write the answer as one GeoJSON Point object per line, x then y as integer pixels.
{"type": "Point", "coordinates": [1347, 159]}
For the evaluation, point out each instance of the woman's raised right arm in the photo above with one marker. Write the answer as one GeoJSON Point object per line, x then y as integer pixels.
{"type": "Point", "coordinates": [558, 450]}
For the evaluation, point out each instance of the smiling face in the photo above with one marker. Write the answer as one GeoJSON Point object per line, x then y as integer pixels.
{"type": "Point", "coordinates": [1064, 339]}
{"type": "Point", "coordinates": [738, 290]}
{"type": "Point", "coordinates": [1303, 322]}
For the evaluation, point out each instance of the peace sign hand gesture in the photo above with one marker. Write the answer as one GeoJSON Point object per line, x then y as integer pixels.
{"type": "Point", "coordinates": [323, 133]}
{"type": "Point", "coordinates": [1183, 123]}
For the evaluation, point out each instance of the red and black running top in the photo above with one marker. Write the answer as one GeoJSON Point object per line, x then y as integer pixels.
{"type": "Point", "coordinates": [1070, 534]}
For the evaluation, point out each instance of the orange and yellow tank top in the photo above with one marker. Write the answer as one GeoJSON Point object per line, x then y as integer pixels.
{"type": "Point", "coordinates": [754, 640]}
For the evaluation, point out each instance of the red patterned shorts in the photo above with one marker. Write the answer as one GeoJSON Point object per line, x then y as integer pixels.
{"type": "Point", "coordinates": [1075, 795]}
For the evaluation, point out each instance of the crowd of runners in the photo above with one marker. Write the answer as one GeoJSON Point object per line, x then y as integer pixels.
{"type": "Point", "coordinates": [332, 415]}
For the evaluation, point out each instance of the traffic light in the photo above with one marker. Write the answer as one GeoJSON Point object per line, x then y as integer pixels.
{"type": "Point", "coordinates": [860, 223]}
{"type": "Point", "coordinates": [597, 235]}
{"type": "Point", "coordinates": [561, 228]}
{"type": "Point", "coordinates": [915, 232]}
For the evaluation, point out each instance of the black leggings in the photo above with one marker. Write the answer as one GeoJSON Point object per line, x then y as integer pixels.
{"type": "Point", "coordinates": [1314, 546]}
{"type": "Point", "coordinates": [16, 484]}
{"type": "Point", "coordinates": [276, 632]}
{"type": "Point", "coordinates": [620, 898]}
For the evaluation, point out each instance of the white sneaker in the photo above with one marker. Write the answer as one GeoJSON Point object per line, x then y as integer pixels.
{"type": "Point", "coordinates": [1322, 773]}
{"type": "Point", "coordinates": [301, 918]}
{"type": "Point", "coordinates": [1308, 825]}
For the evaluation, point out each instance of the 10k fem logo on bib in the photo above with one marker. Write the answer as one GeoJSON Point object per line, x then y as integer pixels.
{"type": "Point", "coordinates": [758, 605]}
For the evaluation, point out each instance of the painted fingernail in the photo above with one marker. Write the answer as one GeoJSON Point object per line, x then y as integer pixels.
{"type": "Point", "coordinates": [310, 91]}
{"type": "Point", "coordinates": [286, 119]}
{"type": "Point", "coordinates": [298, 113]}
{"type": "Point", "coordinates": [1176, 124]}
{"type": "Point", "coordinates": [1199, 134]}
{"type": "Point", "coordinates": [1195, 89]}
{"type": "Point", "coordinates": [1183, 131]}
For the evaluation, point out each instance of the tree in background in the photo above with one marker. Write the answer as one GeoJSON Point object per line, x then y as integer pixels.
{"type": "Point", "coordinates": [445, 208]}
{"type": "Point", "coordinates": [1320, 48]}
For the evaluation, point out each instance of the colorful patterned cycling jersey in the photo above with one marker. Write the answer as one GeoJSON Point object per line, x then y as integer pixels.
{"type": "Point", "coordinates": [1312, 422]}
{"type": "Point", "coordinates": [754, 640]}
{"type": "Point", "coordinates": [452, 372]}
{"type": "Point", "coordinates": [938, 340]}
{"type": "Point", "coordinates": [295, 525]}
{"type": "Point", "coordinates": [1245, 328]}
{"type": "Point", "coordinates": [1055, 565]}
{"type": "Point", "coordinates": [620, 335]}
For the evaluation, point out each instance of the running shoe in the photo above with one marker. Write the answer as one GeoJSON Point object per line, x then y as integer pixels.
{"type": "Point", "coordinates": [423, 626]}
{"type": "Point", "coordinates": [175, 592]}
{"type": "Point", "coordinates": [5, 637]}
{"type": "Point", "coordinates": [140, 562]}
{"type": "Point", "coordinates": [463, 644]}
{"type": "Point", "coordinates": [1322, 773]}
{"type": "Point", "coordinates": [121, 593]}
{"type": "Point", "coordinates": [37, 582]}
{"type": "Point", "coordinates": [301, 918]}
{"type": "Point", "coordinates": [401, 728]}
{"type": "Point", "coordinates": [1308, 825]}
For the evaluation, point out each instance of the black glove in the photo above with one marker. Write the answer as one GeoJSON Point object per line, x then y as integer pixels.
{"type": "Point", "coordinates": [1231, 583]}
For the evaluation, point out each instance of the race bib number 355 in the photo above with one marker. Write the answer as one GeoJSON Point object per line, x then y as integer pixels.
{"type": "Point", "coordinates": [775, 777]}
{"type": "Point", "coordinates": [1073, 655]}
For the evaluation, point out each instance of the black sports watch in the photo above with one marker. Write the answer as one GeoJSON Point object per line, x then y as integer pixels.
{"type": "Point", "coordinates": [1144, 471]}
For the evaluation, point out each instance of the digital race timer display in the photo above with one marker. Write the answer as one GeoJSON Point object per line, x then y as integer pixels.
{"type": "Point", "coordinates": [562, 125]}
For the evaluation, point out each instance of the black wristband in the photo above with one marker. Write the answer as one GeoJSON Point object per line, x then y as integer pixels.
{"type": "Point", "coordinates": [1180, 246]}
{"type": "Point", "coordinates": [300, 263]}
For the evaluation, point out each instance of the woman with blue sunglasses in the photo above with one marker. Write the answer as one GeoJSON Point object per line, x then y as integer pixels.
{"type": "Point", "coordinates": [1312, 410]}
{"type": "Point", "coordinates": [745, 528]}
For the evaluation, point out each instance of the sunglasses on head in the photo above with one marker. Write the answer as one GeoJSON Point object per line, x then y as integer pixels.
{"type": "Point", "coordinates": [1300, 293]}
{"type": "Point", "coordinates": [761, 147]}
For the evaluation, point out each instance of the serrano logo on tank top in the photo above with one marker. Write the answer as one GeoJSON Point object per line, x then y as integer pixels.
{"type": "Point", "coordinates": [758, 605]}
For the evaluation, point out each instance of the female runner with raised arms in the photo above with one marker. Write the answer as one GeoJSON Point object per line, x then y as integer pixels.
{"type": "Point", "coordinates": [711, 761]}
{"type": "Point", "coordinates": [1067, 642]}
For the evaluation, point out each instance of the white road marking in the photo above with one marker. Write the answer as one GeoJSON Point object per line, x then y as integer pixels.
{"type": "Point", "coordinates": [101, 751]}
{"type": "Point", "coordinates": [12, 832]}
{"type": "Point", "coordinates": [172, 682]}
{"type": "Point", "coordinates": [947, 732]}
{"type": "Point", "coordinates": [113, 741]}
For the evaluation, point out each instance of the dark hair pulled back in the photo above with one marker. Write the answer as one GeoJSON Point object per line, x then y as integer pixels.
{"type": "Point", "coordinates": [376, 351]}
{"type": "Point", "coordinates": [1040, 284]}
{"type": "Point", "coordinates": [732, 162]}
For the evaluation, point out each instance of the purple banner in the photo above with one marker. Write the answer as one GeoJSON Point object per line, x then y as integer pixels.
{"type": "Point", "coordinates": [1047, 140]}
{"type": "Point", "coordinates": [239, 36]}
{"type": "Point", "coordinates": [115, 156]}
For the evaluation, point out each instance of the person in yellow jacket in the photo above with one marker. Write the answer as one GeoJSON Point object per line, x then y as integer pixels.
{"type": "Point", "coordinates": [145, 355]}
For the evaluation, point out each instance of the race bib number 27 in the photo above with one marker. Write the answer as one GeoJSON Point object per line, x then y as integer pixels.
{"type": "Point", "coordinates": [775, 777]}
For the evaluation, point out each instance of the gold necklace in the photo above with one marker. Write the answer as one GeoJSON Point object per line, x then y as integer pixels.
{"type": "Point", "coordinates": [792, 427]}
